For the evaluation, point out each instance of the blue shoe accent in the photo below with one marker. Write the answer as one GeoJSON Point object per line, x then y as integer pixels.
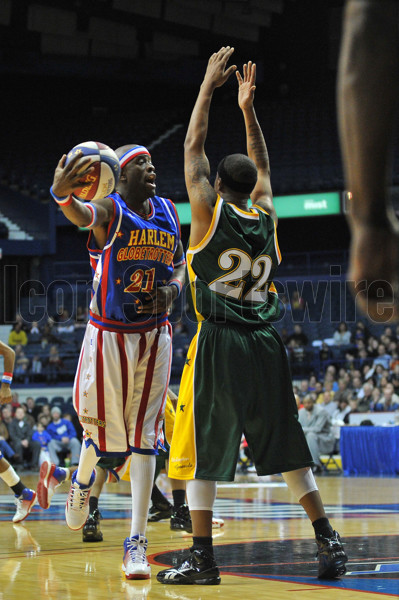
{"type": "Point", "coordinates": [60, 474]}
{"type": "Point", "coordinates": [84, 487]}
{"type": "Point", "coordinates": [27, 494]}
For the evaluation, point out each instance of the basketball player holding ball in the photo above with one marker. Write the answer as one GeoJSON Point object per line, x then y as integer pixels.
{"type": "Point", "coordinates": [124, 366]}
{"type": "Point", "coordinates": [236, 378]}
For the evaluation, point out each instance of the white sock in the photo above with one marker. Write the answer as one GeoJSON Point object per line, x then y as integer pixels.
{"type": "Point", "coordinates": [87, 462]}
{"type": "Point", "coordinates": [10, 477]}
{"type": "Point", "coordinates": [142, 471]}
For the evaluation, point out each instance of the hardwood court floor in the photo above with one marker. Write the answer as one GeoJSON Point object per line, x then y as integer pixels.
{"type": "Point", "coordinates": [265, 550]}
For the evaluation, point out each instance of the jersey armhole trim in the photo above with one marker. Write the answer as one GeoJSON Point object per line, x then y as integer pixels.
{"type": "Point", "coordinates": [212, 228]}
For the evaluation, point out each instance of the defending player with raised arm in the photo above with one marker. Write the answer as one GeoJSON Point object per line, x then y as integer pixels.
{"type": "Point", "coordinates": [120, 386]}
{"type": "Point", "coordinates": [236, 378]}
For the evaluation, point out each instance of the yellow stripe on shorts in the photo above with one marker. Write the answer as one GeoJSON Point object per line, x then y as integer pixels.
{"type": "Point", "coordinates": [183, 455]}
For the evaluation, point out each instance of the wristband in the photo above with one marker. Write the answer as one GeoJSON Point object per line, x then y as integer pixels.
{"type": "Point", "coordinates": [7, 378]}
{"type": "Point", "coordinates": [65, 201]}
{"type": "Point", "coordinates": [178, 284]}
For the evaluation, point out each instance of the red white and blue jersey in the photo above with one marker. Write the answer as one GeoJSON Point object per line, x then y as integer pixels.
{"type": "Point", "coordinates": [137, 257]}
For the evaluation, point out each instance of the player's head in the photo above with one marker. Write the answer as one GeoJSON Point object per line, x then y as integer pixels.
{"type": "Point", "coordinates": [137, 171]}
{"type": "Point", "coordinates": [236, 175]}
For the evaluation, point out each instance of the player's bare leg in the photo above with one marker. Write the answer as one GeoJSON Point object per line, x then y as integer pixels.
{"type": "Point", "coordinates": [368, 91]}
{"type": "Point", "coordinates": [25, 498]}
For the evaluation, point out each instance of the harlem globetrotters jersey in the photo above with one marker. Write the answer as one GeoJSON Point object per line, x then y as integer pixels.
{"type": "Point", "coordinates": [231, 271]}
{"type": "Point", "coordinates": [137, 257]}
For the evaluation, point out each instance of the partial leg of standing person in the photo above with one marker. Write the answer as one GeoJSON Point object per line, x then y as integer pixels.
{"type": "Point", "coordinates": [25, 498]}
{"type": "Point", "coordinates": [368, 96]}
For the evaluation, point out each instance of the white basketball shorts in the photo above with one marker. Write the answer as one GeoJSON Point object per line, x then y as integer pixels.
{"type": "Point", "coordinates": [120, 389]}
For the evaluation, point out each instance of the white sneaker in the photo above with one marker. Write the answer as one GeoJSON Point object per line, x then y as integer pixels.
{"type": "Point", "coordinates": [77, 505]}
{"type": "Point", "coordinates": [217, 523]}
{"type": "Point", "coordinates": [135, 564]}
{"type": "Point", "coordinates": [24, 504]}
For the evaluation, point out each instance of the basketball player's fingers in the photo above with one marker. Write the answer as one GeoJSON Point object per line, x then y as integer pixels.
{"type": "Point", "coordinates": [62, 160]}
{"type": "Point", "coordinates": [239, 78]}
{"type": "Point", "coordinates": [229, 71]}
{"type": "Point", "coordinates": [253, 74]}
{"type": "Point", "coordinates": [73, 161]}
{"type": "Point", "coordinates": [245, 71]}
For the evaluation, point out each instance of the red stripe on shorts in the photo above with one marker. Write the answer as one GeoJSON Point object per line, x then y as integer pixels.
{"type": "Point", "coordinates": [162, 407]}
{"type": "Point", "coordinates": [146, 392]}
{"type": "Point", "coordinates": [124, 374]}
{"type": "Point", "coordinates": [77, 389]}
{"type": "Point", "coordinates": [100, 391]}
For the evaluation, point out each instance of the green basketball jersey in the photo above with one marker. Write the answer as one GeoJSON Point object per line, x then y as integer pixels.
{"type": "Point", "coordinates": [231, 271]}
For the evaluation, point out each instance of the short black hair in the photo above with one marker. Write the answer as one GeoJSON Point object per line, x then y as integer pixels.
{"type": "Point", "coordinates": [238, 172]}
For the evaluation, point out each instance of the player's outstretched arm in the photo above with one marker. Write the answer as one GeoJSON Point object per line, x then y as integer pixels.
{"type": "Point", "coordinates": [70, 177]}
{"type": "Point", "coordinates": [256, 146]}
{"type": "Point", "coordinates": [196, 165]}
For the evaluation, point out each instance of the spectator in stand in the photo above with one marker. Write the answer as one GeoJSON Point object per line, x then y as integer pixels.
{"type": "Point", "coordinates": [303, 388]}
{"type": "Point", "coordinates": [15, 403]}
{"type": "Point", "coordinates": [21, 440]}
{"type": "Point", "coordinates": [17, 336]}
{"type": "Point", "coordinates": [316, 424]}
{"type": "Point", "coordinates": [34, 335]}
{"type": "Point", "coordinates": [388, 401]}
{"type": "Point", "coordinates": [372, 347]}
{"type": "Point", "coordinates": [325, 352]}
{"type": "Point", "coordinates": [327, 387]}
{"type": "Point", "coordinates": [342, 336]}
{"type": "Point", "coordinates": [21, 365]}
{"type": "Point", "coordinates": [298, 336]}
{"type": "Point", "coordinates": [356, 385]}
{"type": "Point", "coordinates": [32, 409]}
{"type": "Point", "coordinates": [19, 320]}
{"type": "Point", "coordinates": [354, 409]}
{"type": "Point", "coordinates": [312, 383]}
{"type": "Point", "coordinates": [363, 359]}
{"type": "Point", "coordinates": [28, 417]}
{"type": "Point", "coordinates": [6, 415]}
{"type": "Point", "coordinates": [36, 368]}
{"type": "Point", "coordinates": [44, 438]}
{"type": "Point", "coordinates": [365, 397]}
{"type": "Point", "coordinates": [382, 358]}
{"type": "Point", "coordinates": [63, 438]}
{"type": "Point", "coordinates": [329, 404]}
{"type": "Point", "coordinates": [54, 364]}
{"type": "Point", "coordinates": [343, 391]}
{"type": "Point", "coordinates": [375, 398]}
{"type": "Point", "coordinates": [48, 336]}
{"type": "Point", "coordinates": [340, 418]}
{"type": "Point", "coordinates": [65, 323]}
{"type": "Point", "coordinates": [395, 379]}
{"type": "Point", "coordinates": [5, 447]}
{"type": "Point", "coordinates": [350, 361]}
{"type": "Point", "coordinates": [45, 415]}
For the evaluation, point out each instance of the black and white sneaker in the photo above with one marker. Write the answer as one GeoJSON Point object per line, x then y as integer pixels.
{"type": "Point", "coordinates": [200, 568]}
{"type": "Point", "coordinates": [91, 529]}
{"type": "Point", "coordinates": [331, 555]}
{"type": "Point", "coordinates": [160, 512]}
{"type": "Point", "coordinates": [181, 519]}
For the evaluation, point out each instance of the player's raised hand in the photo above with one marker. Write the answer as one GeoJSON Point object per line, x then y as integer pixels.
{"type": "Point", "coordinates": [217, 73]}
{"type": "Point", "coordinates": [246, 85]}
{"type": "Point", "coordinates": [70, 177]}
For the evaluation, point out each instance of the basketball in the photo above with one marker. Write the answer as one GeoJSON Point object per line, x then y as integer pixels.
{"type": "Point", "coordinates": [102, 180]}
